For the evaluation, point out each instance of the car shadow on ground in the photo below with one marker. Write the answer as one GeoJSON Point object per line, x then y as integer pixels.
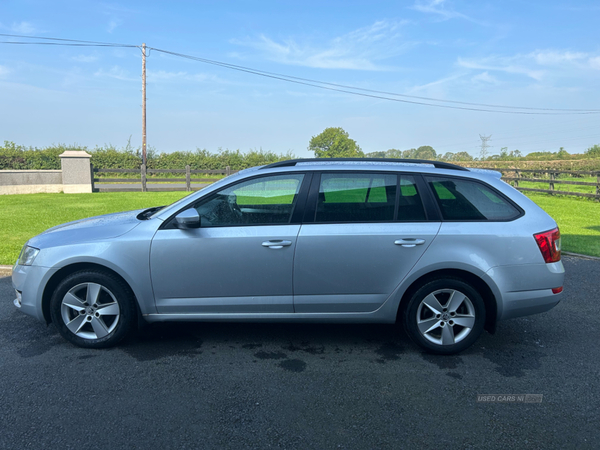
{"type": "Point", "coordinates": [163, 339]}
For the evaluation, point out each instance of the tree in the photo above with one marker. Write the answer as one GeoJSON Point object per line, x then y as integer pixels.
{"type": "Point", "coordinates": [410, 154]}
{"type": "Point", "coordinates": [462, 156]}
{"type": "Point", "coordinates": [334, 143]}
{"type": "Point", "coordinates": [380, 154]}
{"type": "Point", "coordinates": [425, 152]}
{"type": "Point", "coordinates": [593, 152]}
{"type": "Point", "coordinates": [393, 153]}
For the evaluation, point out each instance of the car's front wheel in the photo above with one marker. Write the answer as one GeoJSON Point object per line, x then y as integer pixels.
{"type": "Point", "coordinates": [93, 309]}
{"type": "Point", "coordinates": [445, 316]}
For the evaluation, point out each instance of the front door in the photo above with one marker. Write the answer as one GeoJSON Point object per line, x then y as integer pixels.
{"type": "Point", "coordinates": [240, 260]}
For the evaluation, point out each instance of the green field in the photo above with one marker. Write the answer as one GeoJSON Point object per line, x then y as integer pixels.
{"type": "Point", "coordinates": [578, 220]}
{"type": "Point", "coordinates": [561, 186]}
{"type": "Point", "coordinates": [24, 216]}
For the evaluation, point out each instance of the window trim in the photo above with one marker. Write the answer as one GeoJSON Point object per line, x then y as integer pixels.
{"type": "Point", "coordinates": [297, 213]}
{"type": "Point", "coordinates": [503, 196]}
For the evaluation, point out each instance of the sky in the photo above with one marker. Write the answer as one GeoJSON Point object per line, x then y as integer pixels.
{"type": "Point", "coordinates": [528, 54]}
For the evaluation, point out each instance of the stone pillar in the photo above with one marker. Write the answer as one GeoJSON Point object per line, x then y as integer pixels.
{"type": "Point", "coordinates": [76, 172]}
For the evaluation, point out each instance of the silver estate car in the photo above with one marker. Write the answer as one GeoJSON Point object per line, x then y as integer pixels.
{"type": "Point", "coordinates": [444, 250]}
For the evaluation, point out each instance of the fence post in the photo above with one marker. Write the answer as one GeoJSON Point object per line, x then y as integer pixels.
{"type": "Point", "coordinates": [143, 175]}
{"type": "Point", "coordinates": [518, 175]}
{"type": "Point", "coordinates": [552, 178]}
{"type": "Point", "coordinates": [92, 175]}
{"type": "Point", "coordinates": [598, 186]}
{"type": "Point", "coordinates": [188, 174]}
{"type": "Point", "coordinates": [227, 171]}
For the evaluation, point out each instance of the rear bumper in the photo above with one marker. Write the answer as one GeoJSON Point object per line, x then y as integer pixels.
{"type": "Point", "coordinates": [518, 304]}
{"type": "Point", "coordinates": [527, 288]}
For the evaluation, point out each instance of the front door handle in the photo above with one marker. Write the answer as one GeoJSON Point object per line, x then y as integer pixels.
{"type": "Point", "coordinates": [276, 243]}
{"type": "Point", "coordinates": [409, 242]}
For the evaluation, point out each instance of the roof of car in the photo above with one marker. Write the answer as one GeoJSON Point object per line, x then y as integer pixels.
{"type": "Point", "coordinates": [363, 161]}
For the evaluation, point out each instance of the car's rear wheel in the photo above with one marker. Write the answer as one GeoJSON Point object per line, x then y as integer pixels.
{"type": "Point", "coordinates": [445, 316]}
{"type": "Point", "coordinates": [93, 309]}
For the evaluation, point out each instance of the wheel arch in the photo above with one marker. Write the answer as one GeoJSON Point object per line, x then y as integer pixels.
{"type": "Point", "coordinates": [60, 275]}
{"type": "Point", "coordinates": [489, 299]}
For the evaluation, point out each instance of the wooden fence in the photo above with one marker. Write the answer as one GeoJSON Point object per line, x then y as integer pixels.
{"type": "Point", "coordinates": [144, 176]}
{"type": "Point", "coordinates": [520, 175]}
{"type": "Point", "coordinates": [143, 179]}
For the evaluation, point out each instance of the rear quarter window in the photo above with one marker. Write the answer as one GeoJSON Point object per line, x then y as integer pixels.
{"type": "Point", "coordinates": [468, 200]}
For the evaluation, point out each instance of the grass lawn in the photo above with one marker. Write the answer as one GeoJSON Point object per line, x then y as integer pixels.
{"type": "Point", "coordinates": [24, 216]}
{"type": "Point", "coordinates": [563, 187]}
{"type": "Point", "coordinates": [578, 220]}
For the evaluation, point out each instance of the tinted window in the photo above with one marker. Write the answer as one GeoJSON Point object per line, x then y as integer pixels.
{"type": "Point", "coordinates": [461, 199]}
{"type": "Point", "coordinates": [262, 201]}
{"type": "Point", "coordinates": [356, 197]}
{"type": "Point", "coordinates": [410, 207]}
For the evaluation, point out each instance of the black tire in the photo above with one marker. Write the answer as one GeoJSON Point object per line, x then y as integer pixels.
{"type": "Point", "coordinates": [100, 324]}
{"type": "Point", "coordinates": [441, 333]}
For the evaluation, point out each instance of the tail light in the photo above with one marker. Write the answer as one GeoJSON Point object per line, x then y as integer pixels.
{"type": "Point", "coordinates": [549, 244]}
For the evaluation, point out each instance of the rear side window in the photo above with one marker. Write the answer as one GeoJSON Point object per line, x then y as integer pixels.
{"type": "Point", "coordinates": [356, 197]}
{"type": "Point", "coordinates": [410, 207]}
{"type": "Point", "coordinates": [461, 199]}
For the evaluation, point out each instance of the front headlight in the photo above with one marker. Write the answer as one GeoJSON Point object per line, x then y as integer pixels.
{"type": "Point", "coordinates": [27, 255]}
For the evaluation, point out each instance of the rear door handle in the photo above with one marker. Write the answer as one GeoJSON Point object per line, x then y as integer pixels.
{"type": "Point", "coordinates": [276, 243]}
{"type": "Point", "coordinates": [409, 242]}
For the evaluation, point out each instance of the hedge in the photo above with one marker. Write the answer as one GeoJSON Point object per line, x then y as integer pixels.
{"type": "Point", "coordinates": [15, 157]}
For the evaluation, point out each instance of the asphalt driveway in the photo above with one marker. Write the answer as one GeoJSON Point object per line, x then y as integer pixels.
{"type": "Point", "coordinates": [306, 386]}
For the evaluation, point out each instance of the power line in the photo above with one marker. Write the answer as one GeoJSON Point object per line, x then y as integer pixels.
{"type": "Point", "coordinates": [323, 84]}
{"type": "Point", "coordinates": [61, 39]}
{"type": "Point", "coordinates": [68, 45]}
{"type": "Point", "coordinates": [480, 107]}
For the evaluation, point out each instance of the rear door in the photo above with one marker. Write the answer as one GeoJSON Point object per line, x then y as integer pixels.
{"type": "Point", "coordinates": [362, 234]}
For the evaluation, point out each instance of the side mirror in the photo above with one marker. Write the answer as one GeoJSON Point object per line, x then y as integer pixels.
{"type": "Point", "coordinates": [188, 219]}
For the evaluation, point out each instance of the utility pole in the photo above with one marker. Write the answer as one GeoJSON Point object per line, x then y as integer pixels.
{"type": "Point", "coordinates": [484, 146]}
{"type": "Point", "coordinates": [144, 104]}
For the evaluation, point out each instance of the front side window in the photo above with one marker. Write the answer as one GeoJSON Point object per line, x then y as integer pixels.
{"type": "Point", "coordinates": [262, 201]}
{"type": "Point", "coordinates": [356, 197]}
{"type": "Point", "coordinates": [461, 199]}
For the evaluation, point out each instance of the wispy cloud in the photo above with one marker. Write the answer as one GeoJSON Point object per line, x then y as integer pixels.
{"type": "Point", "coordinates": [553, 57]}
{"type": "Point", "coordinates": [495, 64]}
{"type": "Point", "coordinates": [440, 9]}
{"type": "Point", "coordinates": [361, 49]}
{"type": "Point", "coordinates": [117, 73]}
{"type": "Point", "coordinates": [112, 24]}
{"type": "Point", "coordinates": [4, 71]}
{"type": "Point", "coordinates": [537, 65]}
{"type": "Point", "coordinates": [20, 28]}
{"type": "Point", "coordinates": [595, 62]}
{"type": "Point", "coordinates": [484, 78]}
{"type": "Point", "coordinates": [434, 84]}
{"type": "Point", "coordinates": [85, 58]}
{"type": "Point", "coordinates": [115, 13]}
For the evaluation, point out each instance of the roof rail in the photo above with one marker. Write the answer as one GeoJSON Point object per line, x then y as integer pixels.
{"type": "Point", "coordinates": [436, 164]}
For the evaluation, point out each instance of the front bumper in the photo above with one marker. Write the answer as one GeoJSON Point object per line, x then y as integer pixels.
{"type": "Point", "coordinates": [29, 283]}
